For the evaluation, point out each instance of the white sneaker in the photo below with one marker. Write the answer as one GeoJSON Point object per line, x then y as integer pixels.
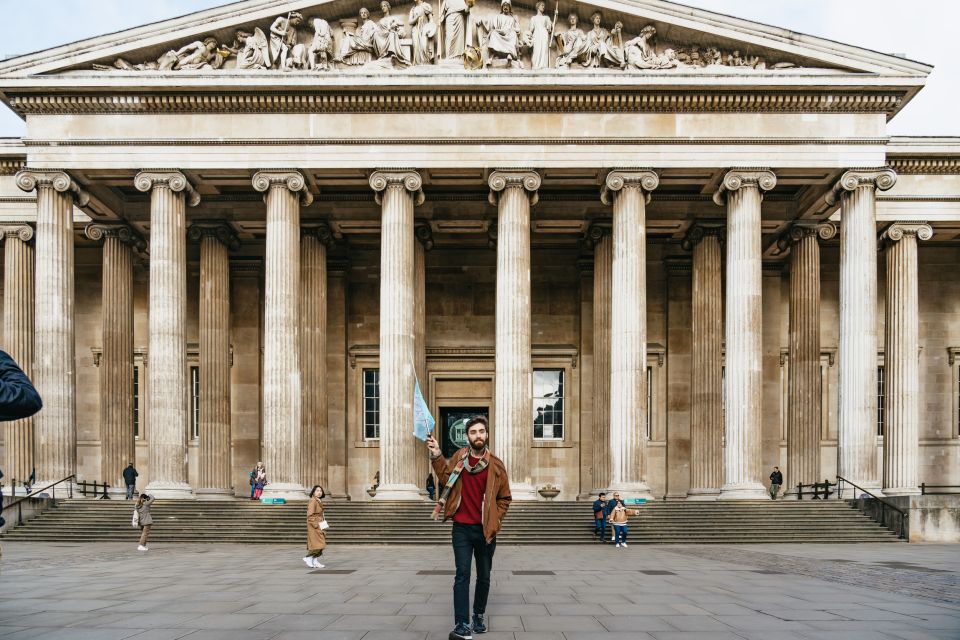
{"type": "Point", "coordinates": [308, 561]}
{"type": "Point", "coordinates": [317, 565]}
{"type": "Point", "coordinates": [623, 544]}
{"type": "Point", "coordinates": [618, 545]}
{"type": "Point", "coordinates": [142, 548]}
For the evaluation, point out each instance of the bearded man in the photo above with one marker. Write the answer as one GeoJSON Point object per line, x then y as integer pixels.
{"type": "Point", "coordinates": [476, 494]}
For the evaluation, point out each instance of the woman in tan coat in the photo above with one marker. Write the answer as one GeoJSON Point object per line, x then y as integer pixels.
{"type": "Point", "coordinates": [316, 536]}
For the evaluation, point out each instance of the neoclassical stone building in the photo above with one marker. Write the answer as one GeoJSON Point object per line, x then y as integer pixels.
{"type": "Point", "coordinates": [663, 249]}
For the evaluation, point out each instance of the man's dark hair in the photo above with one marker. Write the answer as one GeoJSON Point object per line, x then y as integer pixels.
{"type": "Point", "coordinates": [602, 493]}
{"type": "Point", "coordinates": [477, 420]}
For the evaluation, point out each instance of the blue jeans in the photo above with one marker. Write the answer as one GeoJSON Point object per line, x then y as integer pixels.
{"type": "Point", "coordinates": [468, 541]}
{"type": "Point", "coordinates": [620, 532]}
{"type": "Point", "coordinates": [599, 527]}
{"type": "Point", "coordinates": [130, 488]}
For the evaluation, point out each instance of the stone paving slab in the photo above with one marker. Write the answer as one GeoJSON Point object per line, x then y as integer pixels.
{"type": "Point", "coordinates": [737, 592]}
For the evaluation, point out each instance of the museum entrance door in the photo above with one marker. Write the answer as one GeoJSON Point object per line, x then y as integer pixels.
{"type": "Point", "coordinates": [453, 426]}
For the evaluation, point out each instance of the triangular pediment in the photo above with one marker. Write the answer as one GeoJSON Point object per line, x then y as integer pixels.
{"type": "Point", "coordinates": [656, 39]}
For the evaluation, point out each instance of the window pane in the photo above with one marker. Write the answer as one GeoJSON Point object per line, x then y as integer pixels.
{"type": "Point", "coordinates": [547, 403]}
{"type": "Point", "coordinates": [136, 402]}
{"type": "Point", "coordinates": [371, 404]}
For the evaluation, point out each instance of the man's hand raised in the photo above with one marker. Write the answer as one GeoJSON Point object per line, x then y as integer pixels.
{"type": "Point", "coordinates": [432, 446]}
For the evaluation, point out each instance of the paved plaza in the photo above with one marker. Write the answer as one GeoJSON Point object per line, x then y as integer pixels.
{"type": "Point", "coordinates": [773, 592]}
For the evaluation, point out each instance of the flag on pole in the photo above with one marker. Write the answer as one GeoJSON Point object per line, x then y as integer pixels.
{"type": "Point", "coordinates": [423, 422]}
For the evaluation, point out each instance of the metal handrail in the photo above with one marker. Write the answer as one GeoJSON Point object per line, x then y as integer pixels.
{"type": "Point", "coordinates": [904, 515]}
{"type": "Point", "coordinates": [16, 503]}
{"type": "Point", "coordinates": [924, 486]}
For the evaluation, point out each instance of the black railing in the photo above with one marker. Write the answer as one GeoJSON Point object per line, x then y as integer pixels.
{"type": "Point", "coordinates": [53, 495]}
{"type": "Point", "coordinates": [925, 489]}
{"type": "Point", "coordinates": [902, 514]}
{"type": "Point", "coordinates": [820, 490]}
{"type": "Point", "coordinates": [85, 490]}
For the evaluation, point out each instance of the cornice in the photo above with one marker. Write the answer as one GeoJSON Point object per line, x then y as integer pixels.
{"type": "Point", "coordinates": [591, 100]}
{"type": "Point", "coordinates": [925, 166]}
{"type": "Point", "coordinates": [10, 167]}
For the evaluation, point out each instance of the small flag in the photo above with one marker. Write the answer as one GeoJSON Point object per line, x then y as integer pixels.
{"type": "Point", "coordinates": [423, 422]}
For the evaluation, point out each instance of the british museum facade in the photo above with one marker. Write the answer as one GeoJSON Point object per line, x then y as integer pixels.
{"type": "Point", "coordinates": [662, 249]}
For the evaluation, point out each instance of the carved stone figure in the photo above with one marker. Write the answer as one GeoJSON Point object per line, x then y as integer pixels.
{"type": "Point", "coordinates": [572, 43]}
{"type": "Point", "coordinates": [321, 49]}
{"type": "Point", "coordinates": [541, 28]}
{"type": "Point", "coordinates": [358, 47]}
{"type": "Point", "coordinates": [712, 56]}
{"type": "Point", "coordinates": [387, 40]}
{"type": "Point", "coordinates": [640, 53]}
{"type": "Point", "coordinates": [500, 36]}
{"type": "Point", "coordinates": [256, 50]}
{"type": "Point", "coordinates": [600, 47]}
{"type": "Point", "coordinates": [453, 22]}
{"type": "Point", "coordinates": [285, 51]}
{"type": "Point", "coordinates": [422, 31]}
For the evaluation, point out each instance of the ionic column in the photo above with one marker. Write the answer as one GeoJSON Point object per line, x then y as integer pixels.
{"type": "Point", "coordinates": [901, 360]}
{"type": "Point", "coordinates": [741, 192]}
{"type": "Point", "coordinates": [513, 193]}
{"type": "Point", "coordinates": [857, 431]}
{"type": "Point", "coordinates": [313, 354]}
{"type": "Point", "coordinates": [18, 309]}
{"type": "Point", "coordinates": [599, 236]}
{"type": "Point", "coordinates": [398, 192]}
{"type": "Point", "coordinates": [424, 243]}
{"type": "Point", "coordinates": [54, 366]}
{"type": "Point", "coordinates": [216, 241]}
{"type": "Point", "coordinates": [285, 191]}
{"type": "Point", "coordinates": [168, 408]}
{"type": "Point", "coordinates": [706, 363]}
{"type": "Point", "coordinates": [803, 383]}
{"type": "Point", "coordinates": [629, 193]}
{"type": "Point", "coordinates": [116, 360]}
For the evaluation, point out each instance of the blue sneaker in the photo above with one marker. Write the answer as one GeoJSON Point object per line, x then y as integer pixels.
{"type": "Point", "coordinates": [460, 632]}
{"type": "Point", "coordinates": [479, 624]}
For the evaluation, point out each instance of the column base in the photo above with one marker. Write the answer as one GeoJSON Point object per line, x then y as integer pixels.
{"type": "Point", "coordinates": [397, 492]}
{"type": "Point", "coordinates": [901, 491]}
{"type": "Point", "coordinates": [702, 495]}
{"type": "Point", "coordinates": [289, 491]}
{"type": "Point", "coordinates": [745, 491]}
{"type": "Point", "coordinates": [169, 490]}
{"type": "Point", "coordinates": [631, 490]}
{"type": "Point", "coordinates": [215, 494]}
{"type": "Point", "coordinates": [523, 491]}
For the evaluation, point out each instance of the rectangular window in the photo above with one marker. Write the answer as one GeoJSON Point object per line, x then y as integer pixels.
{"type": "Point", "coordinates": [371, 404]}
{"type": "Point", "coordinates": [548, 404]}
{"type": "Point", "coordinates": [880, 394]}
{"type": "Point", "coordinates": [195, 403]}
{"type": "Point", "coordinates": [136, 402]}
{"type": "Point", "coordinates": [649, 403]}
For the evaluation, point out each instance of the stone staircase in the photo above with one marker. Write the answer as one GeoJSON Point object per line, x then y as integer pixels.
{"type": "Point", "coordinates": [242, 521]}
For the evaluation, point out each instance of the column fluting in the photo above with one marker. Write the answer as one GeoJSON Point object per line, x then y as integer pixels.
{"type": "Point", "coordinates": [168, 388]}
{"type": "Point", "coordinates": [602, 278]}
{"type": "Point", "coordinates": [804, 410]}
{"type": "Point", "coordinates": [117, 444]}
{"type": "Point", "coordinates": [216, 241]}
{"type": "Point", "coordinates": [18, 337]}
{"type": "Point", "coordinates": [741, 192]}
{"type": "Point", "coordinates": [628, 192]}
{"type": "Point", "coordinates": [282, 409]}
{"type": "Point", "coordinates": [513, 192]}
{"type": "Point", "coordinates": [313, 354]}
{"type": "Point", "coordinates": [706, 366]}
{"type": "Point", "coordinates": [54, 366]}
{"type": "Point", "coordinates": [857, 431]}
{"type": "Point", "coordinates": [901, 360]}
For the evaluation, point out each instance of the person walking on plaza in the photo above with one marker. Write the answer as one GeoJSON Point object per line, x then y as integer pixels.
{"type": "Point", "coordinates": [600, 516]}
{"type": "Point", "coordinates": [144, 519]}
{"type": "Point", "coordinates": [776, 479]}
{"type": "Point", "coordinates": [608, 512]}
{"type": "Point", "coordinates": [316, 529]}
{"type": "Point", "coordinates": [258, 479]}
{"type": "Point", "coordinates": [130, 479]}
{"type": "Point", "coordinates": [618, 517]}
{"type": "Point", "coordinates": [475, 492]}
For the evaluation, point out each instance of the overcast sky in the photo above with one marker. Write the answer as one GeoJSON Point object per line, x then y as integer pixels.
{"type": "Point", "coordinates": [922, 30]}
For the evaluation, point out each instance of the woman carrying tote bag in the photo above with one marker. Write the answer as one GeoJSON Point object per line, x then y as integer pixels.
{"type": "Point", "coordinates": [316, 529]}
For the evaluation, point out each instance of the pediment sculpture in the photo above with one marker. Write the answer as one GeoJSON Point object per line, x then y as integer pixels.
{"type": "Point", "coordinates": [461, 34]}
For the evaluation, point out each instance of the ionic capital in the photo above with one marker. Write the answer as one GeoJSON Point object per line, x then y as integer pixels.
{"type": "Point", "coordinates": [424, 234]}
{"type": "Point", "coordinates": [517, 179]}
{"type": "Point", "coordinates": [222, 232]}
{"type": "Point", "coordinates": [596, 232]}
{"type": "Point", "coordinates": [700, 230]}
{"type": "Point", "coordinates": [881, 179]}
{"type": "Point", "coordinates": [30, 179]}
{"type": "Point", "coordinates": [171, 179]}
{"type": "Point", "coordinates": [320, 231]}
{"type": "Point", "coordinates": [23, 232]}
{"type": "Point", "coordinates": [805, 229]}
{"type": "Point", "coordinates": [97, 231]}
{"type": "Point", "coordinates": [618, 179]}
{"type": "Point", "coordinates": [735, 179]}
{"type": "Point", "coordinates": [899, 230]}
{"type": "Point", "coordinates": [264, 180]}
{"type": "Point", "coordinates": [381, 180]}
